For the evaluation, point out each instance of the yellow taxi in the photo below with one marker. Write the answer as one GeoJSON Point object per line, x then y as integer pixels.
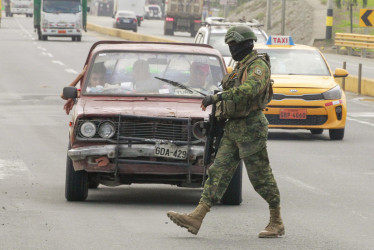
{"type": "Point", "coordinates": [306, 95]}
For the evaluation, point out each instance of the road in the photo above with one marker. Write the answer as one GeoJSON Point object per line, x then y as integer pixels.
{"type": "Point", "coordinates": [326, 186]}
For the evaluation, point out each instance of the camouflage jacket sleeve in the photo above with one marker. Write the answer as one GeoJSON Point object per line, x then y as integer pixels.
{"type": "Point", "coordinates": [258, 74]}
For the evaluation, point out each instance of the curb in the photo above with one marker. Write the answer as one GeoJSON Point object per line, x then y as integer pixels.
{"type": "Point", "coordinates": [128, 35]}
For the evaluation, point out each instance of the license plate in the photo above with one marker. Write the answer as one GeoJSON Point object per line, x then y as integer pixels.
{"type": "Point", "coordinates": [170, 150]}
{"type": "Point", "coordinates": [62, 31]}
{"type": "Point", "coordinates": [125, 21]}
{"type": "Point", "coordinates": [292, 114]}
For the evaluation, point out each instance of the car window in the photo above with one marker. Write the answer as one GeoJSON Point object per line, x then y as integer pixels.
{"type": "Point", "coordinates": [296, 62]}
{"type": "Point", "coordinates": [125, 73]}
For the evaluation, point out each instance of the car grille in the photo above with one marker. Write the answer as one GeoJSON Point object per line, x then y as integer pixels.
{"type": "Point", "coordinates": [307, 97]}
{"type": "Point", "coordinates": [151, 129]}
{"type": "Point", "coordinates": [156, 129]}
{"type": "Point", "coordinates": [310, 120]}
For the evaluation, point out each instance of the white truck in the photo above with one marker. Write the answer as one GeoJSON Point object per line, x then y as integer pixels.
{"type": "Point", "coordinates": [183, 15]}
{"type": "Point", "coordinates": [137, 6]}
{"type": "Point", "coordinates": [23, 7]}
{"type": "Point", "coordinates": [60, 18]}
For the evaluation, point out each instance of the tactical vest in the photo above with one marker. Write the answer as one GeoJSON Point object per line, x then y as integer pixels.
{"type": "Point", "coordinates": [227, 108]}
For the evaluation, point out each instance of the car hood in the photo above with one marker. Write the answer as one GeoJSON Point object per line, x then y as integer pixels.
{"type": "Point", "coordinates": [155, 108]}
{"type": "Point", "coordinates": [301, 81]}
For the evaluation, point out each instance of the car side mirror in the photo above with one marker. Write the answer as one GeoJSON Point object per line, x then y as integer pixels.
{"type": "Point", "coordinates": [340, 73]}
{"type": "Point", "coordinates": [70, 92]}
{"type": "Point", "coordinates": [88, 9]}
{"type": "Point", "coordinates": [229, 70]}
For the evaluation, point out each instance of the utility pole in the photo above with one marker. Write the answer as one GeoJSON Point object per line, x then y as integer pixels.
{"type": "Point", "coordinates": [268, 15]}
{"type": "Point", "coordinates": [329, 20]}
{"type": "Point", "coordinates": [283, 16]}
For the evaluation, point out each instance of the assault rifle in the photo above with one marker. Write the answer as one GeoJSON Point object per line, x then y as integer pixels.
{"type": "Point", "coordinates": [214, 133]}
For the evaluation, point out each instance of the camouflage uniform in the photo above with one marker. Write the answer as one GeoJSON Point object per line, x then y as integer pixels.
{"type": "Point", "coordinates": [244, 138]}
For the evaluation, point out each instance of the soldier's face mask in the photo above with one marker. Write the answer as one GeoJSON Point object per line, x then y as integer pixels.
{"type": "Point", "coordinates": [240, 50]}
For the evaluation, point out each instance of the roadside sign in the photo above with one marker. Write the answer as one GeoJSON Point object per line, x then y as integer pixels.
{"type": "Point", "coordinates": [366, 18]}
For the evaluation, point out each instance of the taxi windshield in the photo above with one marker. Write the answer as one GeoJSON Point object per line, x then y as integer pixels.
{"type": "Point", "coordinates": [128, 73]}
{"type": "Point", "coordinates": [296, 62]}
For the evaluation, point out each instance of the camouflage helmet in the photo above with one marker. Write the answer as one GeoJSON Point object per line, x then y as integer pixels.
{"type": "Point", "coordinates": [239, 34]}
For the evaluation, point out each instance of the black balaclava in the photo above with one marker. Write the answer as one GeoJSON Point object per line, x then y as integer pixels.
{"type": "Point", "coordinates": [240, 50]}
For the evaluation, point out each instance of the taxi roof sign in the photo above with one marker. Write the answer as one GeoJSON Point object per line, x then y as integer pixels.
{"type": "Point", "coordinates": [280, 40]}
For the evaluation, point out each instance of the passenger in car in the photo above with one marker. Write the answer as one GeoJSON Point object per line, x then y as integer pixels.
{"type": "Point", "coordinates": [97, 78]}
{"type": "Point", "coordinates": [198, 79]}
{"type": "Point", "coordinates": [142, 78]}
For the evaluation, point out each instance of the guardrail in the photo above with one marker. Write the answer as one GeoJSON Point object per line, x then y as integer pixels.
{"type": "Point", "coordinates": [351, 41]}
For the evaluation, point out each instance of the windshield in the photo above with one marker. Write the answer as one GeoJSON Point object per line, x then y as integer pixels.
{"type": "Point", "coordinates": [217, 41]}
{"type": "Point", "coordinates": [125, 73]}
{"type": "Point", "coordinates": [61, 6]}
{"type": "Point", "coordinates": [296, 62]}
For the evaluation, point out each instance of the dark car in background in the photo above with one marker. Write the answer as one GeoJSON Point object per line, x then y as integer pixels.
{"type": "Point", "coordinates": [125, 20]}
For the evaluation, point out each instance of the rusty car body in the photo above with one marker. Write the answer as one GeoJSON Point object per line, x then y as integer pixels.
{"type": "Point", "coordinates": [122, 133]}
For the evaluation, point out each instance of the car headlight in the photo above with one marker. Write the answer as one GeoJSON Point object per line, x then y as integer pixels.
{"type": "Point", "coordinates": [106, 130]}
{"type": "Point", "coordinates": [198, 130]}
{"type": "Point", "coordinates": [88, 129]}
{"type": "Point", "coordinates": [334, 93]}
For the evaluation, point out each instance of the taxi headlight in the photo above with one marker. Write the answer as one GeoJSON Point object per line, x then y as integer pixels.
{"type": "Point", "coordinates": [334, 93]}
{"type": "Point", "coordinates": [88, 129]}
{"type": "Point", "coordinates": [106, 130]}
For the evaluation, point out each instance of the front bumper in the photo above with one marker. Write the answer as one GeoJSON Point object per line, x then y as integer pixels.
{"type": "Point", "coordinates": [61, 32]}
{"type": "Point", "coordinates": [124, 151]}
{"type": "Point", "coordinates": [321, 114]}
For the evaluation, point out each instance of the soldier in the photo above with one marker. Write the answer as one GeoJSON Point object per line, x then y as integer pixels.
{"type": "Point", "coordinates": [246, 91]}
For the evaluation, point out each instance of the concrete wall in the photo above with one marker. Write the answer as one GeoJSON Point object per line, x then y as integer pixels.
{"type": "Point", "coordinates": [351, 85]}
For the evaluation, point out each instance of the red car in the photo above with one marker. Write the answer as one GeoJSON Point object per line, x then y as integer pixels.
{"type": "Point", "coordinates": [131, 125]}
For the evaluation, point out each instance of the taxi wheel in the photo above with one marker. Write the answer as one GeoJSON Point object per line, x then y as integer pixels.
{"type": "Point", "coordinates": [316, 131]}
{"type": "Point", "coordinates": [76, 186]}
{"type": "Point", "coordinates": [336, 134]}
{"type": "Point", "coordinates": [233, 194]}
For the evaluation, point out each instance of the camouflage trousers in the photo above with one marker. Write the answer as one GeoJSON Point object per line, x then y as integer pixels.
{"type": "Point", "coordinates": [243, 139]}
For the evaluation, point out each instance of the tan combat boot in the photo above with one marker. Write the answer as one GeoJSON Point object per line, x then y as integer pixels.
{"type": "Point", "coordinates": [191, 221]}
{"type": "Point", "coordinates": [275, 228]}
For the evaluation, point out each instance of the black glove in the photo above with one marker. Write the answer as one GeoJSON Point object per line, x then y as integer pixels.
{"type": "Point", "coordinates": [211, 99]}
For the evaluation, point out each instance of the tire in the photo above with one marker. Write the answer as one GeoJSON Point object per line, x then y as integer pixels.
{"type": "Point", "coordinates": [44, 38]}
{"type": "Point", "coordinates": [76, 185]}
{"type": "Point", "coordinates": [316, 131]}
{"type": "Point", "coordinates": [233, 194]}
{"type": "Point", "coordinates": [336, 134]}
{"type": "Point", "coordinates": [169, 32]}
{"type": "Point", "coordinates": [78, 38]}
{"type": "Point", "coordinates": [135, 30]}
{"type": "Point", "coordinates": [73, 38]}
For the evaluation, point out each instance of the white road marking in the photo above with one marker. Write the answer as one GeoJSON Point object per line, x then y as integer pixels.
{"type": "Point", "coordinates": [50, 55]}
{"type": "Point", "coordinates": [359, 121]}
{"type": "Point", "coordinates": [361, 114]}
{"type": "Point", "coordinates": [72, 71]}
{"type": "Point", "coordinates": [304, 185]}
{"type": "Point", "coordinates": [41, 48]}
{"type": "Point", "coordinates": [14, 168]}
{"type": "Point", "coordinates": [58, 62]}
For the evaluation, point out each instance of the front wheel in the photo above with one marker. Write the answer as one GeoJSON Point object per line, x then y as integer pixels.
{"type": "Point", "coordinates": [76, 186]}
{"type": "Point", "coordinates": [336, 134]}
{"type": "Point", "coordinates": [233, 194]}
